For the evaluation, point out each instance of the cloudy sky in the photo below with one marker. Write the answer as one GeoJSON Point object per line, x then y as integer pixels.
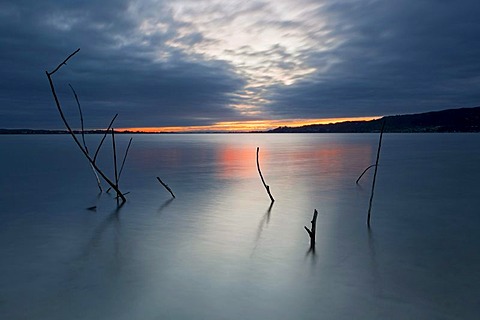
{"type": "Point", "coordinates": [190, 63]}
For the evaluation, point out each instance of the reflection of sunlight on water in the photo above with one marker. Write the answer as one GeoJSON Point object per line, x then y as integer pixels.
{"type": "Point", "coordinates": [236, 161]}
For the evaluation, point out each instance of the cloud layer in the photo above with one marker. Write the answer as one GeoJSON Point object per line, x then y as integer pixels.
{"type": "Point", "coordinates": [187, 63]}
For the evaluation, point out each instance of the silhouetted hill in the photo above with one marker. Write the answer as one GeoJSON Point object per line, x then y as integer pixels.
{"type": "Point", "coordinates": [451, 120]}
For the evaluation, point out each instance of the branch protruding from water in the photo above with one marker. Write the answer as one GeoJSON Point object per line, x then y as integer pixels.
{"type": "Point", "coordinates": [83, 135]}
{"type": "Point", "coordinates": [103, 138]}
{"type": "Point", "coordinates": [312, 232]}
{"type": "Point", "coordinates": [364, 171]}
{"type": "Point", "coordinates": [267, 187]}
{"type": "Point", "coordinates": [69, 129]}
{"type": "Point", "coordinates": [375, 174]}
{"type": "Point", "coordinates": [123, 162]}
{"type": "Point", "coordinates": [166, 186]}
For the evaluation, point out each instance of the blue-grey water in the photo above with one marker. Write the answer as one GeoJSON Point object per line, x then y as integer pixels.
{"type": "Point", "coordinates": [218, 252]}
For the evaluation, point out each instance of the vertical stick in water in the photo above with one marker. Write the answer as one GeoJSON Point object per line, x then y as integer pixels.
{"type": "Point", "coordinates": [313, 231]}
{"type": "Point", "coordinates": [115, 157]}
{"type": "Point", "coordinates": [375, 174]}
{"type": "Point", "coordinates": [263, 181]}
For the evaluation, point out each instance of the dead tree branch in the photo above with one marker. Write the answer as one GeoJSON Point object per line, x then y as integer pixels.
{"type": "Point", "coordinates": [267, 187]}
{"type": "Point", "coordinates": [70, 131]}
{"type": "Point", "coordinates": [83, 136]}
{"type": "Point", "coordinates": [364, 171]}
{"type": "Point", "coordinates": [114, 146]}
{"type": "Point", "coordinates": [123, 162]}
{"type": "Point", "coordinates": [375, 174]}
{"type": "Point", "coordinates": [103, 138]}
{"type": "Point", "coordinates": [312, 232]}
{"type": "Point", "coordinates": [166, 186]}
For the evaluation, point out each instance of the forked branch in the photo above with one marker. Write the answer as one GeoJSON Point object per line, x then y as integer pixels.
{"type": "Point", "coordinates": [103, 138]}
{"type": "Point", "coordinates": [312, 232]}
{"type": "Point", "coordinates": [70, 131]}
{"type": "Point", "coordinates": [375, 174]}
{"type": "Point", "coordinates": [83, 135]}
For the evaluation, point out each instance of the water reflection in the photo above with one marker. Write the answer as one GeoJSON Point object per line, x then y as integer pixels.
{"type": "Point", "coordinates": [165, 205]}
{"type": "Point", "coordinates": [376, 276]}
{"type": "Point", "coordinates": [263, 222]}
{"type": "Point", "coordinates": [198, 261]}
{"type": "Point", "coordinates": [237, 161]}
{"type": "Point", "coordinates": [113, 219]}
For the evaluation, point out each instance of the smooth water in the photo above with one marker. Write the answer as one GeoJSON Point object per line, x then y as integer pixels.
{"type": "Point", "coordinates": [218, 251]}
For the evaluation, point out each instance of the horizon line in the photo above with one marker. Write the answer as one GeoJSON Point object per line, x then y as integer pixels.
{"type": "Point", "coordinates": [244, 126]}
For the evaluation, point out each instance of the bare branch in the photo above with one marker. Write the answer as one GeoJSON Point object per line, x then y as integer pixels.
{"type": "Point", "coordinates": [70, 131]}
{"type": "Point", "coordinates": [263, 180]}
{"type": "Point", "coordinates": [124, 158]}
{"type": "Point", "coordinates": [166, 186]}
{"type": "Point", "coordinates": [364, 171]}
{"type": "Point", "coordinates": [81, 117]}
{"type": "Point", "coordinates": [312, 232]}
{"type": "Point", "coordinates": [103, 139]}
{"type": "Point", "coordinates": [114, 145]}
{"type": "Point", "coordinates": [375, 173]}
{"type": "Point", "coordinates": [63, 63]}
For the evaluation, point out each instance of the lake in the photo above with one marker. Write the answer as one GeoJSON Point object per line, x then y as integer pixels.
{"type": "Point", "coordinates": [219, 251]}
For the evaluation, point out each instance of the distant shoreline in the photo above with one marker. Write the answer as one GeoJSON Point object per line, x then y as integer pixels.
{"type": "Point", "coordinates": [7, 132]}
{"type": "Point", "coordinates": [461, 120]}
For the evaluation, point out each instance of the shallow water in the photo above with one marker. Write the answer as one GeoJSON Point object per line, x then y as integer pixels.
{"type": "Point", "coordinates": [218, 251]}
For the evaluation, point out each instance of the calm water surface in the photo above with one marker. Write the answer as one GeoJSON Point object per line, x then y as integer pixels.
{"type": "Point", "coordinates": [218, 251]}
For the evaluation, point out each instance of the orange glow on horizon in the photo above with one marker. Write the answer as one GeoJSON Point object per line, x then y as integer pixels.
{"type": "Point", "coordinates": [246, 126]}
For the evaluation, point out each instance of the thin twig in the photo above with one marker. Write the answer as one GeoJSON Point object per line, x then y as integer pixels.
{"type": "Point", "coordinates": [267, 187]}
{"type": "Point", "coordinates": [124, 158]}
{"type": "Point", "coordinates": [364, 171]}
{"type": "Point", "coordinates": [81, 117]}
{"type": "Point", "coordinates": [83, 136]}
{"type": "Point", "coordinates": [114, 145]}
{"type": "Point", "coordinates": [123, 162]}
{"type": "Point", "coordinates": [375, 174]}
{"type": "Point", "coordinates": [166, 186]}
{"type": "Point", "coordinates": [63, 63]}
{"type": "Point", "coordinates": [103, 139]}
{"type": "Point", "coordinates": [99, 184]}
{"type": "Point", "coordinates": [70, 131]}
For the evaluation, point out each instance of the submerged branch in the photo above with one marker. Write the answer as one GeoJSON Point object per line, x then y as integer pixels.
{"type": "Point", "coordinates": [83, 136]}
{"type": "Point", "coordinates": [312, 232]}
{"type": "Point", "coordinates": [114, 146]}
{"type": "Point", "coordinates": [81, 117]}
{"type": "Point", "coordinates": [124, 158]}
{"type": "Point", "coordinates": [364, 171]}
{"type": "Point", "coordinates": [375, 174]}
{"type": "Point", "coordinates": [166, 186]}
{"type": "Point", "coordinates": [70, 131]}
{"type": "Point", "coordinates": [123, 162]}
{"type": "Point", "coordinates": [103, 138]}
{"type": "Point", "coordinates": [267, 187]}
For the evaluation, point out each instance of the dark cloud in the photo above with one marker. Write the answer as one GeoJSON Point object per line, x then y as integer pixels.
{"type": "Point", "coordinates": [139, 59]}
{"type": "Point", "coordinates": [395, 57]}
{"type": "Point", "coordinates": [117, 70]}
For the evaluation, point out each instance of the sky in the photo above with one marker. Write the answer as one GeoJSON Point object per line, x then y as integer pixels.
{"type": "Point", "coordinates": [233, 64]}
